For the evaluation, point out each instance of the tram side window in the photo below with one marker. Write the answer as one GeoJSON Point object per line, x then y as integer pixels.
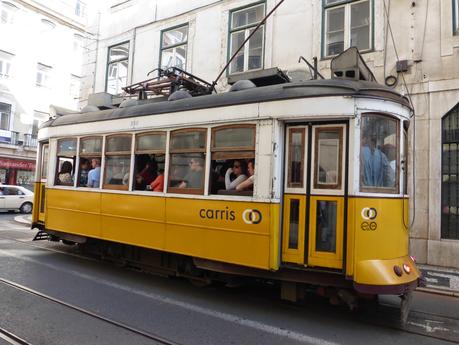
{"type": "Point", "coordinates": [90, 159]}
{"type": "Point", "coordinates": [117, 162]}
{"type": "Point", "coordinates": [379, 154]}
{"type": "Point", "coordinates": [150, 151]}
{"type": "Point", "coordinates": [328, 155]}
{"type": "Point", "coordinates": [187, 161]}
{"type": "Point", "coordinates": [233, 160]}
{"type": "Point", "coordinates": [66, 157]}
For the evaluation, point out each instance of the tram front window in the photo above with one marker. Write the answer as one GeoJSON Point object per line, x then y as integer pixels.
{"type": "Point", "coordinates": [379, 154]}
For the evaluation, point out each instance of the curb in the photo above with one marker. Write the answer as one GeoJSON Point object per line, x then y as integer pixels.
{"type": "Point", "coordinates": [23, 220]}
{"type": "Point", "coordinates": [438, 291]}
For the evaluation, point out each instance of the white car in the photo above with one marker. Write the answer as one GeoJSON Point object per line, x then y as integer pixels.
{"type": "Point", "coordinates": [16, 198]}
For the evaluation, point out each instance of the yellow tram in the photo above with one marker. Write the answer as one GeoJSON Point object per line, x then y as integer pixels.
{"type": "Point", "coordinates": [325, 200]}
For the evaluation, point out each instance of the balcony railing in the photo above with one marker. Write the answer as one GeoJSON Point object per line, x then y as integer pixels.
{"type": "Point", "coordinates": [12, 138]}
{"type": "Point", "coordinates": [30, 140]}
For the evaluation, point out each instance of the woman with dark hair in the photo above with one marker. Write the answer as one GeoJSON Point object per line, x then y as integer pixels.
{"type": "Point", "coordinates": [65, 175]}
{"type": "Point", "coordinates": [236, 175]}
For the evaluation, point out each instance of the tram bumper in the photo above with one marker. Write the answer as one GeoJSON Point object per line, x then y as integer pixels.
{"type": "Point", "coordinates": [391, 276]}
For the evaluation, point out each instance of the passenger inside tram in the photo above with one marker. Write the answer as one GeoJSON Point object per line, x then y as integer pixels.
{"type": "Point", "coordinates": [248, 183]}
{"type": "Point", "coordinates": [195, 174]}
{"type": "Point", "coordinates": [236, 175]}
{"type": "Point", "coordinates": [376, 167]}
{"type": "Point", "coordinates": [65, 174]}
{"type": "Point", "coordinates": [94, 173]}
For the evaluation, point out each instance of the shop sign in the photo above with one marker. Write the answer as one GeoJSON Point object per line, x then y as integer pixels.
{"type": "Point", "coordinates": [7, 163]}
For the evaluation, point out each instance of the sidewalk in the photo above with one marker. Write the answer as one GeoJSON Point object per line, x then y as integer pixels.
{"type": "Point", "coordinates": [439, 280]}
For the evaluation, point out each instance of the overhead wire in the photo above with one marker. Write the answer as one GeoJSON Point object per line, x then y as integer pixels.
{"type": "Point", "coordinates": [413, 116]}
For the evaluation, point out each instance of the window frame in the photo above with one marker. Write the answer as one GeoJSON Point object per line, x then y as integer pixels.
{"type": "Point", "coordinates": [382, 190]}
{"type": "Point", "coordinates": [88, 156]}
{"type": "Point", "coordinates": [74, 158]}
{"type": "Point", "coordinates": [112, 154]}
{"type": "Point", "coordinates": [46, 74]}
{"type": "Point", "coordinates": [116, 62]}
{"type": "Point", "coordinates": [9, 8]}
{"type": "Point", "coordinates": [8, 115]}
{"type": "Point", "coordinates": [338, 185]}
{"type": "Point", "coordinates": [177, 190]}
{"type": "Point", "coordinates": [346, 4]}
{"type": "Point", "coordinates": [246, 30]}
{"type": "Point", "coordinates": [235, 150]}
{"type": "Point", "coordinates": [185, 43]}
{"type": "Point", "coordinates": [304, 132]}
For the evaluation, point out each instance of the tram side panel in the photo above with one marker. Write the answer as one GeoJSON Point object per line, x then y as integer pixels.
{"type": "Point", "coordinates": [236, 232]}
{"type": "Point", "coordinates": [379, 241]}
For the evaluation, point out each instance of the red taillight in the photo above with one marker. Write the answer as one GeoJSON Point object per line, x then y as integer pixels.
{"type": "Point", "coordinates": [407, 268]}
{"type": "Point", "coordinates": [398, 271]}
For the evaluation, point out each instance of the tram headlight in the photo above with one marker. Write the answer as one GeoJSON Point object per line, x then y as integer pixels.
{"type": "Point", "coordinates": [398, 271]}
{"type": "Point", "coordinates": [407, 268]}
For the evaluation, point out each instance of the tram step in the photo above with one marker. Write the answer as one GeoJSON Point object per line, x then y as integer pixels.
{"type": "Point", "coordinates": [41, 235]}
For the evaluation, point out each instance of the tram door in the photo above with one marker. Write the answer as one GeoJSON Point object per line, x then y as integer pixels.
{"type": "Point", "coordinates": [313, 219]}
{"type": "Point", "coordinates": [40, 185]}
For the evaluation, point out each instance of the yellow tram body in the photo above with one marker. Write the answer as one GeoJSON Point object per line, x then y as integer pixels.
{"type": "Point", "coordinates": [273, 233]}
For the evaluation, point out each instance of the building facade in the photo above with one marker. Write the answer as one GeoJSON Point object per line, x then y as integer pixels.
{"type": "Point", "coordinates": [41, 59]}
{"type": "Point", "coordinates": [412, 46]}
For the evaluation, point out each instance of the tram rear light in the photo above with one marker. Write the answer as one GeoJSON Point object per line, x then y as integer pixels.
{"type": "Point", "coordinates": [398, 271]}
{"type": "Point", "coordinates": [413, 258]}
{"type": "Point", "coordinates": [407, 268]}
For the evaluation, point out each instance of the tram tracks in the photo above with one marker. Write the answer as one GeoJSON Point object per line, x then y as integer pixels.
{"type": "Point", "coordinates": [430, 325]}
{"type": "Point", "coordinates": [11, 338]}
{"type": "Point", "coordinates": [5, 334]}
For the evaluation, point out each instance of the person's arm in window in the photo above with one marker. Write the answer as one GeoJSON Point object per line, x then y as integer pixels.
{"type": "Point", "coordinates": [244, 185]}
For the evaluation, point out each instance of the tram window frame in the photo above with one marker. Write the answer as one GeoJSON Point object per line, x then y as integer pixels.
{"type": "Point", "coordinates": [195, 153]}
{"type": "Point", "coordinates": [382, 189]}
{"type": "Point", "coordinates": [339, 175]}
{"type": "Point", "coordinates": [230, 154]}
{"type": "Point", "coordinates": [65, 156]}
{"type": "Point", "coordinates": [301, 184]}
{"type": "Point", "coordinates": [89, 156]}
{"type": "Point", "coordinates": [156, 152]}
{"type": "Point", "coordinates": [116, 154]}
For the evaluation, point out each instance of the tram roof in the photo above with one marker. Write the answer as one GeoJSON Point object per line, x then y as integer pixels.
{"type": "Point", "coordinates": [307, 89]}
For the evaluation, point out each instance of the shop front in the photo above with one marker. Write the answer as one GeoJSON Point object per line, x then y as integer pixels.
{"type": "Point", "coordinates": [17, 172]}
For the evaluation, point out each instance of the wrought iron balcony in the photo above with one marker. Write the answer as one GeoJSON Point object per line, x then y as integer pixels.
{"type": "Point", "coordinates": [30, 140]}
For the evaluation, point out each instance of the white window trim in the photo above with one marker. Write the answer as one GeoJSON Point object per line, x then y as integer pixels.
{"type": "Point", "coordinates": [175, 46]}
{"type": "Point", "coordinates": [347, 26]}
{"type": "Point", "coordinates": [246, 30]}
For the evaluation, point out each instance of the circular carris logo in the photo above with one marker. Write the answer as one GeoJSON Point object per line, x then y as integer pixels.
{"type": "Point", "coordinates": [251, 216]}
{"type": "Point", "coordinates": [369, 213]}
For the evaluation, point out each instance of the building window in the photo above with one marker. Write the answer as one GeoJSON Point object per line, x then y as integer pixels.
{"type": "Point", "coordinates": [7, 12]}
{"type": "Point", "coordinates": [75, 85]}
{"type": "Point", "coordinates": [348, 23]}
{"type": "Point", "coordinates": [5, 64]}
{"type": "Point", "coordinates": [5, 116]}
{"type": "Point", "coordinates": [80, 9]}
{"type": "Point", "coordinates": [187, 161]}
{"type": "Point", "coordinates": [43, 75]}
{"type": "Point", "coordinates": [242, 23]}
{"type": "Point", "coordinates": [174, 43]}
{"type": "Point", "coordinates": [117, 68]}
{"type": "Point", "coordinates": [450, 175]}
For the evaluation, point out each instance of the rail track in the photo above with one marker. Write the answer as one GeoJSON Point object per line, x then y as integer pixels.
{"type": "Point", "coordinates": [5, 334]}
{"type": "Point", "coordinates": [11, 338]}
{"type": "Point", "coordinates": [430, 325]}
